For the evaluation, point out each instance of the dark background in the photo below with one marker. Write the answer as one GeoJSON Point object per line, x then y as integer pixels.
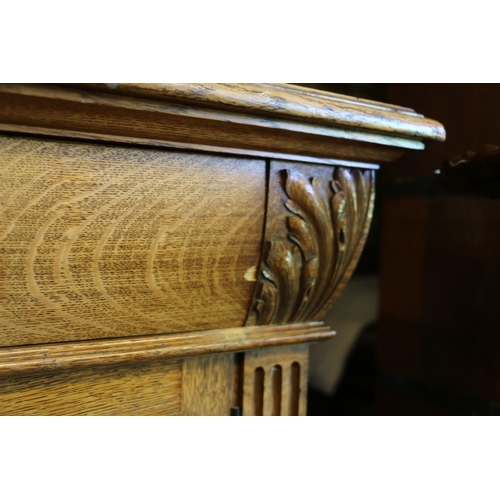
{"type": "Point", "coordinates": [435, 348]}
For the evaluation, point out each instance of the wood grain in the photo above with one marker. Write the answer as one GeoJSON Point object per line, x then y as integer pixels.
{"type": "Point", "coordinates": [95, 353]}
{"type": "Point", "coordinates": [208, 385]}
{"type": "Point", "coordinates": [291, 101]}
{"type": "Point", "coordinates": [185, 146]}
{"type": "Point", "coordinates": [100, 242]}
{"type": "Point", "coordinates": [317, 222]}
{"type": "Point", "coordinates": [152, 389]}
{"type": "Point", "coordinates": [276, 379]}
{"type": "Point", "coordinates": [73, 111]}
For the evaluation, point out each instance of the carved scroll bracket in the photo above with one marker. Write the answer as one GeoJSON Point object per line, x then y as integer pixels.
{"type": "Point", "coordinates": [312, 246]}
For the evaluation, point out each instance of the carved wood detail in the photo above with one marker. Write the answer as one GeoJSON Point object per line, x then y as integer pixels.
{"type": "Point", "coordinates": [275, 381]}
{"type": "Point", "coordinates": [326, 221]}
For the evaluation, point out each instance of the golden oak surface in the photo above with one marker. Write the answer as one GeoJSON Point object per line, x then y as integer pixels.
{"type": "Point", "coordinates": [210, 385]}
{"type": "Point", "coordinates": [145, 389]}
{"type": "Point", "coordinates": [101, 241]}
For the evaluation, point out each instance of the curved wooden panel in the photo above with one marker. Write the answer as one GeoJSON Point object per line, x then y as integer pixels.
{"type": "Point", "coordinates": [100, 241]}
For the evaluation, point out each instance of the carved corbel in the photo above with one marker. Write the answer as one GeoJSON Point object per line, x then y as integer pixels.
{"type": "Point", "coordinates": [316, 227]}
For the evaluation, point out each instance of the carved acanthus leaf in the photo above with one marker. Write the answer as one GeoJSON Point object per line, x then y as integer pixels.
{"type": "Point", "coordinates": [299, 273]}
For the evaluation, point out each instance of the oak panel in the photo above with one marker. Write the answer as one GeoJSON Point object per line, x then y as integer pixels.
{"type": "Point", "coordinates": [142, 389]}
{"type": "Point", "coordinates": [208, 385]}
{"type": "Point", "coordinates": [99, 241]}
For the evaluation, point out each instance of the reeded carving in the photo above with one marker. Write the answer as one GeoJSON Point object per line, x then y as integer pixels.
{"type": "Point", "coordinates": [324, 228]}
{"type": "Point", "coordinates": [275, 381]}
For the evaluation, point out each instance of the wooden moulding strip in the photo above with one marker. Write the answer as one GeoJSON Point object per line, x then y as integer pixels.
{"type": "Point", "coordinates": [295, 102]}
{"type": "Point", "coordinates": [94, 353]}
{"type": "Point", "coordinates": [185, 146]}
{"type": "Point", "coordinates": [351, 132]}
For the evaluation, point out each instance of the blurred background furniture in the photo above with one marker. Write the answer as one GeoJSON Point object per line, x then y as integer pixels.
{"type": "Point", "coordinates": [434, 249]}
{"type": "Point", "coordinates": [438, 339]}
